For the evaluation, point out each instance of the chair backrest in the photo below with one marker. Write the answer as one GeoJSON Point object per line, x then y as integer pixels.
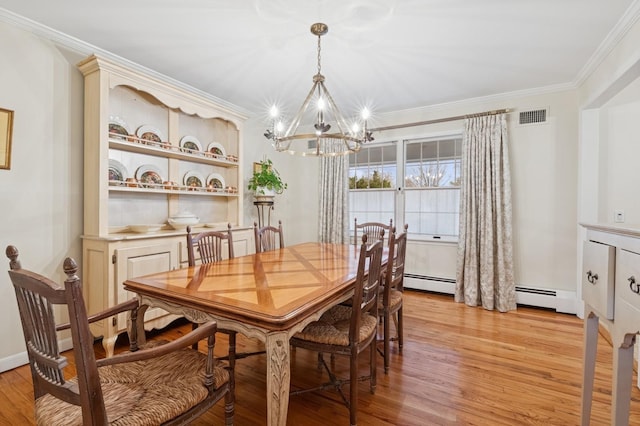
{"type": "Point", "coordinates": [209, 244]}
{"type": "Point", "coordinates": [367, 286]}
{"type": "Point", "coordinates": [36, 296]}
{"type": "Point", "coordinates": [394, 277]}
{"type": "Point", "coordinates": [373, 230]}
{"type": "Point", "coordinates": [265, 237]}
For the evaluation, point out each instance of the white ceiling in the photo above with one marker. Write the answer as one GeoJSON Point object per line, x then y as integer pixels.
{"type": "Point", "coordinates": [387, 54]}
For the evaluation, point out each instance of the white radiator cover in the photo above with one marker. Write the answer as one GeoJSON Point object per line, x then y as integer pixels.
{"type": "Point", "coordinates": [560, 301]}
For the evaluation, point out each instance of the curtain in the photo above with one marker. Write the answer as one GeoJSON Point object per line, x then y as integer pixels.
{"type": "Point", "coordinates": [333, 208]}
{"type": "Point", "coordinates": [484, 273]}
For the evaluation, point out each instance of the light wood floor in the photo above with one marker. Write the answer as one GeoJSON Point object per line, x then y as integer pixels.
{"type": "Point", "coordinates": [460, 366]}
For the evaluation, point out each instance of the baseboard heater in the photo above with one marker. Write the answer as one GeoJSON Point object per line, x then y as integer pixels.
{"type": "Point", "coordinates": [561, 301]}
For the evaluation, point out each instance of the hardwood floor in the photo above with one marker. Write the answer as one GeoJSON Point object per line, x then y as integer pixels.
{"type": "Point", "coordinates": [459, 366]}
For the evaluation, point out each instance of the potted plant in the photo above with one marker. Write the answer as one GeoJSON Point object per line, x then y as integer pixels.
{"type": "Point", "coordinates": [265, 182]}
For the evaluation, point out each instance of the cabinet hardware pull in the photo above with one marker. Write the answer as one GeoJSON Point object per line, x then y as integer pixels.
{"type": "Point", "coordinates": [591, 277]}
{"type": "Point", "coordinates": [633, 285]}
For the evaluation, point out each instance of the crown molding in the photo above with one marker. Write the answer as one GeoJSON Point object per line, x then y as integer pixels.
{"type": "Point", "coordinates": [615, 36]}
{"type": "Point", "coordinates": [76, 45]}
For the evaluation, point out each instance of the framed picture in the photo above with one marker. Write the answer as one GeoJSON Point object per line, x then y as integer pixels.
{"type": "Point", "coordinates": [6, 128]}
{"type": "Point", "coordinates": [257, 167]}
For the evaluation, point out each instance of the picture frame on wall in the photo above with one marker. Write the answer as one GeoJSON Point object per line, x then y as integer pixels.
{"type": "Point", "coordinates": [6, 130]}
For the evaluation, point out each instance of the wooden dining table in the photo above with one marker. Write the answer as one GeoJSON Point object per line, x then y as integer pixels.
{"type": "Point", "coordinates": [269, 296]}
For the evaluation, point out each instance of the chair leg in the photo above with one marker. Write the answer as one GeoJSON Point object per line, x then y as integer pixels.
{"type": "Point", "coordinates": [386, 342]}
{"type": "Point", "coordinates": [353, 389]}
{"type": "Point", "coordinates": [373, 378]}
{"type": "Point", "coordinates": [400, 330]}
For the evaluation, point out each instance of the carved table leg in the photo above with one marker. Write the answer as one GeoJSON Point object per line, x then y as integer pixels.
{"type": "Point", "coordinates": [278, 378]}
{"type": "Point", "coordinates": [109, 343]}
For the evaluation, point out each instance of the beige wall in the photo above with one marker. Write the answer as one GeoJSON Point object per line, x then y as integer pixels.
{"type": "Point", "coordinates": [42, 192]}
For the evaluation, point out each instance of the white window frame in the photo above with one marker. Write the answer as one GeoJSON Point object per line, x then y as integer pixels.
{"type": "Point", "coordinates": [399, 189]}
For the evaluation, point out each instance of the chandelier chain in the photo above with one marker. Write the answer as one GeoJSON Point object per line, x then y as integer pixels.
{"type": "Point", "coordinates": [319, 66]}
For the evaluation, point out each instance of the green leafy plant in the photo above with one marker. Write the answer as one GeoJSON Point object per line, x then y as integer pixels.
{"type": "Point", "coordinates": [266, 176]}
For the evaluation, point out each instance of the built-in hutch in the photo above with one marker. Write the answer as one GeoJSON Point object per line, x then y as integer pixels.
{"type": "Point", "coordinates": [152, 150]}
{"type": "Point", "coordinates": [611, 294]}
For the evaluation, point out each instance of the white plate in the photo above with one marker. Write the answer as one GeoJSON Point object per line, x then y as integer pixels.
{"type": "Point", "coordinates": [193, 179]}
{"type": "Point", "coordinates": [150, 135]}
{"type": "Point", "coordinates": [216, 150]}
{"type": "Point", "coordinates": [118, 128]}
{"type": "Point", "coordinates": [143, 229]}
{"type": "Point", "coordinates": [149, 174]}
{"type": "Point", "coordinates": [216, 181]}
{"type": "Point", "coordinates": [190, 144]}
{"type": "Point", "coordinates": [117, 172]}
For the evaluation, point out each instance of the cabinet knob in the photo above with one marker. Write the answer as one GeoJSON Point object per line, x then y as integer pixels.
{"type": "Point", "coordinates": [591, 277]}
{"type": "Point", "coordinates": [633, 285]}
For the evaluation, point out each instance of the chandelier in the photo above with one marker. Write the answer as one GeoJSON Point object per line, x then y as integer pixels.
{"type": "Point", "coordinates": [303, 139]}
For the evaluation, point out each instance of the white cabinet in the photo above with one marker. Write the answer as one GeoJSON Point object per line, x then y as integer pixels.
{"type": "Point", "coordinates": [172, 176]}
{"type": "Point", "coordinates": [611, 293]}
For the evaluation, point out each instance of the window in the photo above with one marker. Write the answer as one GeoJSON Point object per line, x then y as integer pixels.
{"type": "Point", "coordinates": [416, 182]}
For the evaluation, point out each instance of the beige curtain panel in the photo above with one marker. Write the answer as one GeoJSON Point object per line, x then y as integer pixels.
{"type": "Point", "coordinates": [485, 255]}
{"type": "Point", "coordinates": [333, 210]}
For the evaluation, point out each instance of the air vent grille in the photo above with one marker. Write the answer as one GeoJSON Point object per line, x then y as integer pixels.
{"type": "Point", "coordinates": [533, 116]}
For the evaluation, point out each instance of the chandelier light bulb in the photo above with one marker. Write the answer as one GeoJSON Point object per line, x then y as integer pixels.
{"type": "Point", "coordinates": [273, 112]}
{"type": "Point", "coordinates": [366, 114]}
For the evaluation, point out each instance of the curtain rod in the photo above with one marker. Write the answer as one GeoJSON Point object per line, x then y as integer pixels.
{"type": "Point", "coordinates": [440, 120]}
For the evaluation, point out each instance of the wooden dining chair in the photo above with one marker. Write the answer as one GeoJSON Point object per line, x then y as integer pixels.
{"type": "Point", "coordinates": [349, 330]}
{"type": "Point", "coordinates": [373, 230]}
{"type": "Point", "coordinates": [390, 304]}
{"type": "Point", "coordinates": [160, 383]}
{"type": "Point", "coordinates": [266, 237]}
{"type": "Point", "coordinates": [209, 245]}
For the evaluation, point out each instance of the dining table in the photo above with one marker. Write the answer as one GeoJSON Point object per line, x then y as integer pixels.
{"type": "Point", "coordinates": [269, 296]}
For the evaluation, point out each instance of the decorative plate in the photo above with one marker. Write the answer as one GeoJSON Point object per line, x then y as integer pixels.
{"type": "Point", "coordinates": [193, 179]}
{"type": "Point", "coordinates": [150, 135]}
{"type": "Point", "coordinates": [216, 150]}
{"type": "Point", "coordinates": [215, 180]}
{"type": "Point", "coordinates": [117, 172]}
{"type": "Point", "coordinates": [191, 145]}
{"type": "Point", "coordinates": [149, 176]}
{"type": "Point", "coordinates": [118, 129]}
{"type": "Point", "coordinates": [142, 229]}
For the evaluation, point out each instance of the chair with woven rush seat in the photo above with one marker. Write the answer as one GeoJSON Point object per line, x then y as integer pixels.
{"type": "Point", "coordinates": [373, 230]}
{"type": "Point", "coordinates": [349, 330]}
{"type": "Point", "coordinates": [210, 247]}
{"type": "Point", "coordinates": [390, 304]}
{"type": "Point", "coordinates": [266, 237]}
{"type": "Point", "coordinates": [161, 383]}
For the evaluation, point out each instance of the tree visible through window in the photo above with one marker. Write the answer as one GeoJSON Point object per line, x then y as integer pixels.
{"type": "Point", "coordinates": [428, 174]}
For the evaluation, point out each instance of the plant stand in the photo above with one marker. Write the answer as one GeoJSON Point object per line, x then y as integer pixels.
{"type": "Point", "coordinates": [260, 205]}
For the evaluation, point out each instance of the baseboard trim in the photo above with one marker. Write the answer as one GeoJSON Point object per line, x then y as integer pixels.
{"type": "Point", "coordinates": [17, 360]}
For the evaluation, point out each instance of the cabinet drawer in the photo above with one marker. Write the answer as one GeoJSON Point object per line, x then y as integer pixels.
{"type": "Point", "coordinates": [627, 289]}
{"type": "Point", "coordinates": [598, 263]}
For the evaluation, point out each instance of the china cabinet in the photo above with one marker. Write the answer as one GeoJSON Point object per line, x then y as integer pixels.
{"type": "Point", "coordinates": [153, 149]}
{"type": "Point", "coordinates": [611, 294]}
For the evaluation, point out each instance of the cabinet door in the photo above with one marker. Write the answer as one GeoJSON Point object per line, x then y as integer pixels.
{"type": "Point", "coordinates": [598, 262]}
{"type": "Point", "coordinates": [628, 291]}
{"type": "Point", "coordinates": [137, 261]}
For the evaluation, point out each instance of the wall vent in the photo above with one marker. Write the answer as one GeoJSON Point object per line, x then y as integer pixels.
{"type": "Point", "coordinates": [533, 116]}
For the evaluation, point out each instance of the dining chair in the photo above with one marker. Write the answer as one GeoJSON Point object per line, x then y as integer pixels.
{"type": "Point", "coordinates": [390, 304]}
{"type": "Point", "coordinates": [209, 245]}
{"type": "Point", "coordinates": [373, 230]}
{"type": "Point", "coordinates": [266, 236]}
{"type": "Point", "coordinates": [159, 383]}
{"type": "Point", "coordinates": [349, 330]}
